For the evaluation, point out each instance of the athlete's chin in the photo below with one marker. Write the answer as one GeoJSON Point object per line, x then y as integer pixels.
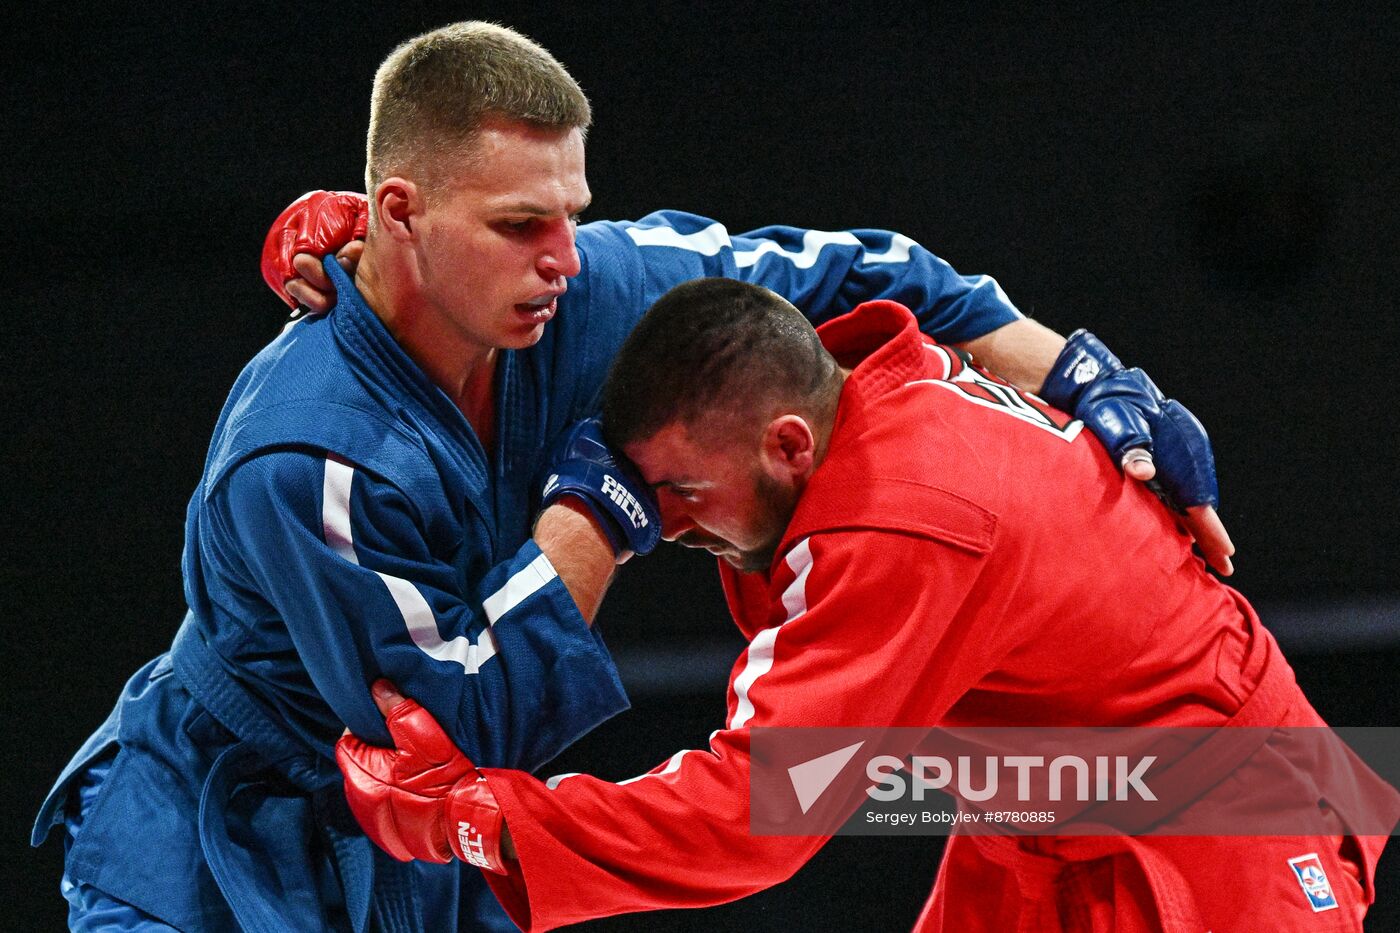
{"type": "Point", "coordinates": [748, 561]}
{"type": "Point", "coordinates": [523, 337]}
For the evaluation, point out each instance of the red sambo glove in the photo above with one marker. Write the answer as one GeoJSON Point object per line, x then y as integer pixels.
{"type": "Point", "coordinates": [422, 799]}
{"type": "Point", "coordinates": [319, 223]}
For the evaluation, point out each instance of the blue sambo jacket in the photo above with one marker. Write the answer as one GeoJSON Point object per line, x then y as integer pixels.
{"type": "Point", "coordinates": [349, 525]}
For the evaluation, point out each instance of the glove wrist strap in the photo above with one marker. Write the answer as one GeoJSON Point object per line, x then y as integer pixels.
{"type": "Point", "coordinates": [475, 824]}
{"type": "Point", "coordinates": [614, 505]}
{"type": "Point", "coordinates": [1081, 361]}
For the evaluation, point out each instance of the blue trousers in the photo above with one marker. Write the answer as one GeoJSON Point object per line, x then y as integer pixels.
{"type": "Point", "coordinates": [91, 910]}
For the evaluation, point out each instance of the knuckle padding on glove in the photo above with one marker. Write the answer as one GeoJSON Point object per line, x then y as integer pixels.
{"type": "Point", "coordinates": [415, 809]}
{"type": "Point", "coordinates": [1183, 448]}
{"type": "Point", "coordinates": [1120, 419]}
{"type": "Point", "coordinates": [370, 798]}
{"type": "Point", "coordinates": [379, 790]}
{"type": "Point", "coordinates": [318, 222]}
{"type": "Point", "coordinates": [1125, 409]}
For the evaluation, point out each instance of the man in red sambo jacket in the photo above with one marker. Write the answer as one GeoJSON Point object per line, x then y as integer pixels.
{"type": "Point", "coordinates": [905, 542]}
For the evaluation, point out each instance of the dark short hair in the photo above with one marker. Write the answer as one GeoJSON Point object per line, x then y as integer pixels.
{"type": "Point", "coordinates": [716, 352]}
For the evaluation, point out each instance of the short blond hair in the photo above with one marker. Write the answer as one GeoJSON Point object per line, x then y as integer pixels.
{"type": "Point", "coordinates": [433, 92]}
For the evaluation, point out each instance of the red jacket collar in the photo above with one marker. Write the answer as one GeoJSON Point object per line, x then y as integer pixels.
{"type": "Point", "coordinates": [881, 344]}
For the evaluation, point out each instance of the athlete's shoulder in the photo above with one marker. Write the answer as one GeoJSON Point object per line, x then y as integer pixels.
{"type": "Point", "coordinates": [304, 361]}
{"type": "Point", "coordinates": [902, 474]}
{"type": "Point", "coordinates": [680, 229]}
{"type": "Point", "coordinates": [303, 392]}
{"type": "Point", "coordinates": [624, 267]}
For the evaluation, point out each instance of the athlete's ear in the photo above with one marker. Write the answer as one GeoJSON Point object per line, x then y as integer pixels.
{"type": "Point", "coordinates": [399, 203]}
{"type": "Point", "coordinates": [788, 449]}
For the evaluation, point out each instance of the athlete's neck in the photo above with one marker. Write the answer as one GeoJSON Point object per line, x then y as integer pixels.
{"type": "Point", "coordinates": [465, 371]}
{"type": "Point", "coordinates": [824, 423]}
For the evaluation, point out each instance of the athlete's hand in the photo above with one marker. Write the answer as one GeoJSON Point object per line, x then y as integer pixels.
{"type": "Point", "coordinates": [314, 225]}
{"type": "Point", "coordinates": [422, 799]}
{"type": "Point", "coordinates": [312, 289]}
{"type": "Point", "coordinates": [623, 504]}
{"type": "Point", "coordinates": [1155, 440]}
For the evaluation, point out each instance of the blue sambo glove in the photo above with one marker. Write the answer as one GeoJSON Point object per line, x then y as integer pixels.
{"type": "Point", "coordinates": [626, 509]}
{"type": "Point", "coordinates": [1126, 410]}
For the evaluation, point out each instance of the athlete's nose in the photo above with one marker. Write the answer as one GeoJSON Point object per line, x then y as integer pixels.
{"type": "Point", "coordinates": [560, 256]}
{"type": "Point", "coordinates": [675, 521]}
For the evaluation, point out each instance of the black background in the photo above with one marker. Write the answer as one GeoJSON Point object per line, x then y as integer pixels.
{"type": "Point", "coordinates": [1213, 192]}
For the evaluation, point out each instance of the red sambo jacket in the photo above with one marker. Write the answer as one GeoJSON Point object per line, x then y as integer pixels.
{"type": "Point", "coordinates": [965, 556]}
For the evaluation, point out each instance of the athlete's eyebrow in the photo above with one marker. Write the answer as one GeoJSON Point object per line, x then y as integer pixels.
{"type": "Point", "coordinates": [537, 210]}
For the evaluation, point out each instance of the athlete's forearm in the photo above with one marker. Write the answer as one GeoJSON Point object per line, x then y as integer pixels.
{"type": "Point", "coordinates": [570, 537]}
{"type": "Point", "coordinates": [1021, 352]}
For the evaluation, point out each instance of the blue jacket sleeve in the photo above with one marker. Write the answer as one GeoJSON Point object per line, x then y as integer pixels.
{"type": "Point", "coordinates": [342, 558]}
{"type": "Point", "coordinates": [824, 274]}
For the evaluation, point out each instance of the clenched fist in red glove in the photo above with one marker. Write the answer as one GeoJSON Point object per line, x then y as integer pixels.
{"type": "Point", "coordinates": [422, 799]}
{"type": "Point", "coordinates": [318, 223]}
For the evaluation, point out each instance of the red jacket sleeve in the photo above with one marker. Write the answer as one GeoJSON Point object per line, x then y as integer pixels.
{"type": "Point", "coordinates": [868, 629]}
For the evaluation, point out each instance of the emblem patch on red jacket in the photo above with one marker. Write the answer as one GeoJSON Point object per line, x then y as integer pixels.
{"type": "Point", "coordinates": [1316, 887]}
{"type": "Point", "coordinates": [982, 388]}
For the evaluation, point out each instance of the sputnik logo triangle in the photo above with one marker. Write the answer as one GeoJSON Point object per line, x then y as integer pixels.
{"type": "Point", "coordinates": [811, 778]}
